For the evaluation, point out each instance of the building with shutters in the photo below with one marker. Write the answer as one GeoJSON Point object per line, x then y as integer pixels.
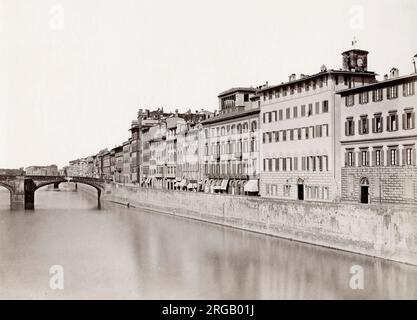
{"type": "Point", "coordinates": [378, 144]}
{"type": "Point", "coordinates": [229, 161]}
{"type": "Point", "coordinates": [301, 131]}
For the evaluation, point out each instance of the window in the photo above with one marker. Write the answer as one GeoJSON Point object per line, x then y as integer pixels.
{"type": "Point", "coordinates": [378, 161]}
{"type": "Point", "coordinates": [377, 123]}
{"type": "Point", "coordinates": [349, 127]}
{"type": "Point", "coordinates": [299, 134]}
{"type": "Point", "coordinates": [287, 113]}
{"type": "Point", "coordinates": [350, 100]}
{"type": "Point", "coordinates": [317, 107]}
{"type": "Point", "coordinates": [363, 125]}
{"type": "Point", "coordinates": [303, 110]}
{"type": "Point", "coordinates": [408, 119]}
{"type": "Point", "coordinates": [310, 109]}
{"type": "Point", "coordinates": [325, 106]}
{"type": "Point", "coordinates": [246, 97]}
{"type": "Point", "coordinates": [392, 121]}
{"type": "Point", "coordinates": [408, 89]}
{"type": "Point", "coordinates": [392, 92]}
{"type": "Point", "coordinates": [408, 156]}
{"type": "Point", "coordinates": [318, 131]}
{"type": "Point", "coordinates": [393, 156]}
{"type": "Point", "coordinates": [269, 117]}
{"type": "Point", "coordinates": [276, 164]}
{"type": "Point", "coordinates": [295, 112]}
{"type": "Point", "coordinates": [325, 130]}
{"type": "Point", "coordinates": [291, 134]}
{"type": "Point", "coordinates": [276, 136]}
{"type": "Point", "coordinates": [377, 95]}
{"type": "Point", "coordinates": [349, 158]}
{"type": "Point", "coordinates": [253, 126]}
{"type": "Point", "coordinates": [364, 158]}
{"type": "Point", "coordinates": [275, 116]}
{"type": "Point", "coordinates": [363, 97]}
{"type": "Point", "coordinates": [284, 135]}
{"type": "Point", "coordinates": [280, 116]}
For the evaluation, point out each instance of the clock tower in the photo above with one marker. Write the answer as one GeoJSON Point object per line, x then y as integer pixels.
{"type": "Point", "coordinates": [355, 60]}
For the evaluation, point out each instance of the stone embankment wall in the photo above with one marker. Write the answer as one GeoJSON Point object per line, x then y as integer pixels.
{"type": "Point", "coordinates": [388, 232]}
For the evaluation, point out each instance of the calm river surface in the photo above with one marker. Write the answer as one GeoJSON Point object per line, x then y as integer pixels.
{"type": "Point", "coordinates": [120, 253]}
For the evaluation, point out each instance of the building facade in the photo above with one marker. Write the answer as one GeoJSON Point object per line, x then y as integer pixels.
{"type": "Point", "coordinates": [378, 144]}
{"type": "Point", "coordinates": [301, 130]}
{"type": "Point", "coordinates": [230, 144]}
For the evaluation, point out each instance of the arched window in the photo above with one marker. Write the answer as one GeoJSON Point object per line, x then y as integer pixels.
{"type": "Point", "coordinates": [253, 126]}
{"type": "Point", "coordinates": [239, 128]}
{"type": "Point", "coordinates": [233, 129]}
{"type": "Point", "coordinates": [223, 131]}
{"type": "Point", "coordinates": [245, 127]}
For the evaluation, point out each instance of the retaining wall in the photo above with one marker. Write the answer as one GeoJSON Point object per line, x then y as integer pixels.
{"type": "Point", "coordinates": [388, 232]}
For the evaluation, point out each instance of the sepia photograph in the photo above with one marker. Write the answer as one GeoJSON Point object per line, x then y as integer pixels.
{"type": "Point", "coordinates": [225, 152]}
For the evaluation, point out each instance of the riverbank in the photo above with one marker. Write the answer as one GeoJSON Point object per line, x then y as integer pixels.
{"type": "Point", "coordinates": [380, 231]}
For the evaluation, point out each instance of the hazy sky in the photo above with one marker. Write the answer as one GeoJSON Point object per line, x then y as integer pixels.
{"type": "Point", "coordinates": [73, 73]}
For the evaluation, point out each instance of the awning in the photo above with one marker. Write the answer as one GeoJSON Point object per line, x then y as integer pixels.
{"type": "Point", "coordinates": [217, 185]}
{"type": "Point", "coordinates": [251, 186]}
{"type": "Point", "coordinates": [224, 184]}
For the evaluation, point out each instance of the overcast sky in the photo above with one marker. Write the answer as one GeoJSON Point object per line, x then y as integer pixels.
{"type": "Point", "coordinates": [73, 73]}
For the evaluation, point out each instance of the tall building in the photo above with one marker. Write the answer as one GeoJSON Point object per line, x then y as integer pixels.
{"type": "Point", "coordinates": [230, 142]}
{"type": "Point", "coordinates": [378, 143]}
{"type": "Point", "coordinates": [301, 131]}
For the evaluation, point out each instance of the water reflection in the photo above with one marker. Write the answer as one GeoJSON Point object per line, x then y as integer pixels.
{"type": "Point", "coordinates": [118, 252]}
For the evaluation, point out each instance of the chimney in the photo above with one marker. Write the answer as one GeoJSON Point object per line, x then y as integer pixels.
{"type": "Point", "coordinates": [394, 73]}
{"type": "Point", "coordinates": [385, 77]}
{"type": "Point", "coordinates": [292, 77]}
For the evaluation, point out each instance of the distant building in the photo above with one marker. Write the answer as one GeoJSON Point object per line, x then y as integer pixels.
{"type": "Point", "coordinates": [378, 143]}
{"type": "Point", "coordinates": [51, 170]}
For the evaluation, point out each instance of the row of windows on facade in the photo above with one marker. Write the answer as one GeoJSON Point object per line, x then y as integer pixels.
{"type": "Point", "coordinates": [231, 168]}
{"type": "Point", "coordinates": [392, 122]}
{"type": "Point", "coordinates": [378, 94]}
{"type": "Point", "coordinates": [308, 163]}
{"type": "Point", "coordinates": [310, 192]}
{"type": "Point", "coordinates": [376, 157]}
{"type": "Point", "coordinates": [172, 170]}
{"type": "Point", "coordinates": [297, 87]}
{"type": "Point", "coordinates": [231, 147]}
{"type": "Point", "coordinates": [230, 129]}
{"type": "Point", "coordinates": [308, 111]}
{"type": "Point", "coordinates": [317, 131]}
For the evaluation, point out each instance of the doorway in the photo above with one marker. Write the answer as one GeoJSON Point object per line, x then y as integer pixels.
{"type": "Point", "coordinates": [300, 189]}
{"type": "Point", "coordinates": [364, 197]}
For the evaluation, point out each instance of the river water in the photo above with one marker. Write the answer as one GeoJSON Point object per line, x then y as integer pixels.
{"type": "Point", "coordinates": [125, 253]}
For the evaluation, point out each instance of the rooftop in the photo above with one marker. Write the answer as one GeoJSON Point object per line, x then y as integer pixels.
{"type": "Point", "coordinates": [379, 84]}
{"type": "Point", "coordinates": [237, 89]}
{"type": "Point", "coordinates": [331, 71]}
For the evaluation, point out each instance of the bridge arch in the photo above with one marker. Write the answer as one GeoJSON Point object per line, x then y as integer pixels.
{"type": "Point", "coordinates": [41, 184]}
{"type": "Point", "coordinates": [7, 186]}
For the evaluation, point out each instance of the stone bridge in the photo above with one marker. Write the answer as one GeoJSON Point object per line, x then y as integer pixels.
{"type": "Point", "coordinates": [22, 188]}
